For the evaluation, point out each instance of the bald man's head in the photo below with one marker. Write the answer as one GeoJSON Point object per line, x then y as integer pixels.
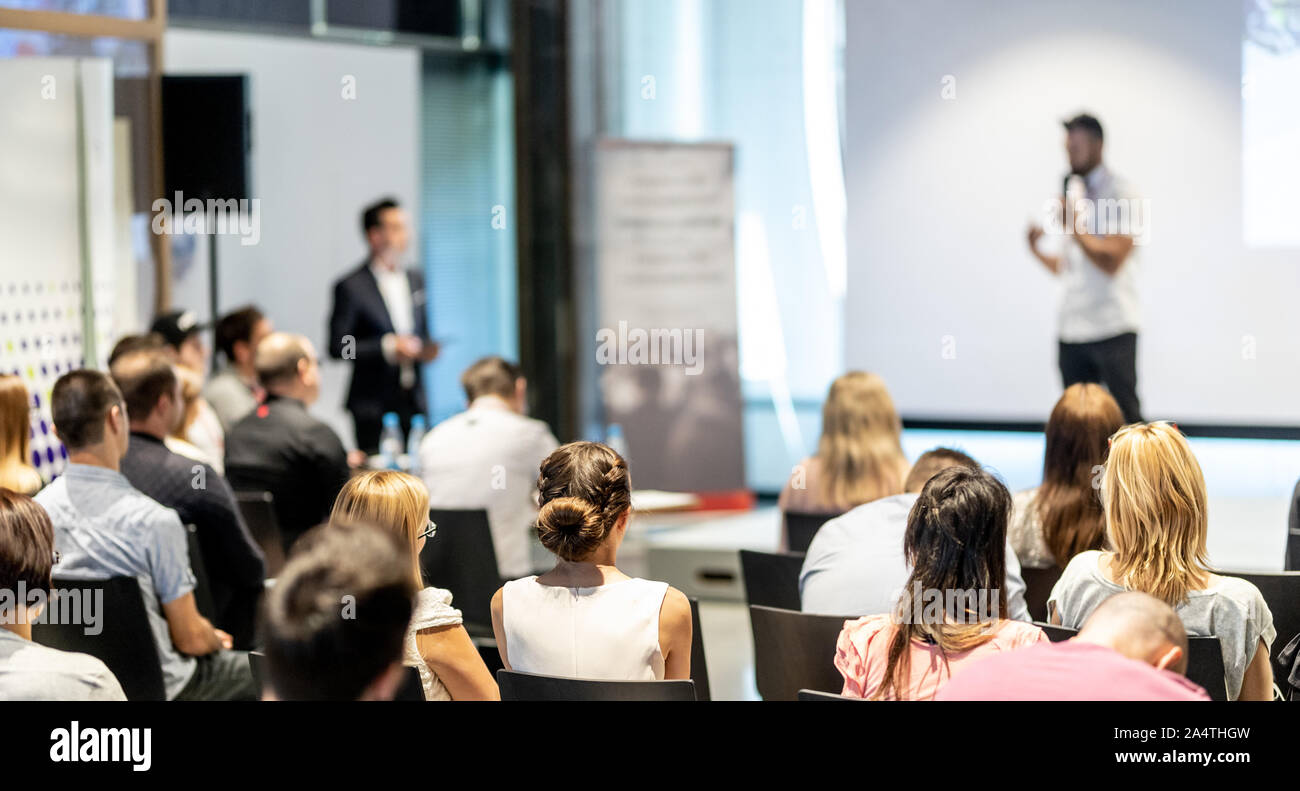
{"type": "Point", "coordinates": [1140, 627]}
{"type": "Point", "coordinates": [286, 366]}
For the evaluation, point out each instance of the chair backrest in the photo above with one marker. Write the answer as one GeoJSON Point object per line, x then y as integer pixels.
{"type": "Point", "coordinates": [793, 651]}
{"type": "Point", "coordinates": [771, 580]}
{"type": "Point", "coordinates": [411, 688]}
{"type": "Point", "coordinates": [258, 510]}
{"type": "Point", "coordinates": [202, 583]}
{"type": "Point", "coordinates": [1281, 591]}
{"type": "Point", "coordinates": [800, 529]}
{"type": "Point", "coordinates": [1038, 586]}
{"type": "Point", "coordinates": [531, 686]}
{"type": "Point", "coordinates": [460, 557]}
{"type": "Point", "coordinates": [125, 642]}
{"type": "Point", "coordinates": [1205, 666]}
{"type": "Point", "coordinates": [812, 695]}
{"type": "Point", "coordinates": [699, 667]}
{"type": "Point", "coordinates": [487, 651]}
{"type": "Point", "coordinates": [1057, 634]}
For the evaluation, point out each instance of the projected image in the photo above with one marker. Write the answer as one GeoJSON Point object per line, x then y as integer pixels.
{"type": "Point", "coordinates": [1270, 113]}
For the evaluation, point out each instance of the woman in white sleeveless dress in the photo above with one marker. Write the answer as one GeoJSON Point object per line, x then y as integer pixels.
{"type": "Point", "coordinates": [436, 642]}
{"type": "Point", "coordinates": [585, 618]}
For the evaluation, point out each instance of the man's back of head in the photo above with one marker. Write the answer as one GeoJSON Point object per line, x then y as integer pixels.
{"type": "Point", "coordinates": [931, 462]}
{"type": "Point", "coordinates": [335, 622]}
{"type": "Point", "coordinates": [81, 404]}
{"type": "Point", "coordinates": [1140, 627]}
{"type": "Point", "coordinates": [144, 377]}
{"type": "Point", "coordinates": [285, 366]}
{"type": "Point", "coordinates": [492, 376]}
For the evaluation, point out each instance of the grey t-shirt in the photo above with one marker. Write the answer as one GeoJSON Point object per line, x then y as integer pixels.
{"type": "Point", "coordinates": [855, 564]}
{"type": "Point", "coordinates": [30, 671]}
{"type": "Point", "coordinates": [1232, 609]}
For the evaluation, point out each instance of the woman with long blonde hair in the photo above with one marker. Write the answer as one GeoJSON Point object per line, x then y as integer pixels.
{"type": "Point", "coordinates": [860, 455]}
{"type": "Point", "coordinates": [436, 641]}
{"type": "Point", "coordinates": [16, 471]}
{"type": "Point", "coordinates": [1154, 500]}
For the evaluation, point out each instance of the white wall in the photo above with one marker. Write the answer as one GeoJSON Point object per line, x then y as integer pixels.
{"type": "Point", "coordinates": [317, 159]}
{"type": "Point", "coordinates": [940, 192]}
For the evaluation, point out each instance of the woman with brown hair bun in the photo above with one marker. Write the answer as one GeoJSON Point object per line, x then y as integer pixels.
{"type": "Point", "coordinates": [585, 618]}
{"type": "Point", "coordinates": [1062, 517]}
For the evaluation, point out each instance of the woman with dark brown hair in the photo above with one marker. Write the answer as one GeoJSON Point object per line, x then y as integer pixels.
{"type": "Point", "coordinates": [954, 606]}
{"type": "Point", "coordinates": [16, 470]}
{"type": "Point", "coordinates": [585, 618]}
{"type": "Point", "coordinates": [1062, 517]}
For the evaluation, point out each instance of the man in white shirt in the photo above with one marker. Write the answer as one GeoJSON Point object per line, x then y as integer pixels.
{"type": "Point", "coordinates": [855, 564]}
{"type": "Point", "coordinates": [379, 323]}
{"type": "Point", "coordinates": [488, 457]}
{"type": "Point", "coordinates": [1099, 310]}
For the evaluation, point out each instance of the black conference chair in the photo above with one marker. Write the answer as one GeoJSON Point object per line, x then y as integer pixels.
{"type": "Point", "coordinates": [1205, 666]}
{"type": "Point", "coordinates": [794, 651]}
{"type": "Point", "coordinates": [800, 529]}
{"type": "Point", "coordinates": [1057, 634]}
{"type": "Point", "coordinates": [461, 558]}
{"type": "Point", "coordinates": [699, 668]}
{"type": "Point", "coordinates": [258, 510]}
{"type": "Point", "coordinates": [533, 687]}
{"type": "Point", "coordinates": [1281, 591]}
{"type": "Point", "coordinates": [1038, 587]}
{"type": "Point", "coordinates": [411, 688]}
{"type": "Point", "coordinates": [771, 580]}
{"type": "Point", "coordinates": [125, 642]}
{"type": "Point", "coordinates": [812, 695]}
{"type": "Point", "coordinates": [202, 584]}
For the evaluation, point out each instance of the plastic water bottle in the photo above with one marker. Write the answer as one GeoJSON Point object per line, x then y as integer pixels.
{"type": "Point", "coordinates": [615, 440]}
{"type": "Point", "coordinates": [390, 441]}
{"type": "Point", "coordinates": [413, 444]}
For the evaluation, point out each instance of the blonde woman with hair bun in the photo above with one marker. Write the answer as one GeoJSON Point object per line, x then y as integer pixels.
{"type": "Point", "coordinates": [859, 456]}
{"type": "Point", "coordinates": [585, 618]}
{"type": "Point", "coordinates": [1153, 497]}
{"type": "Point", "coordinates": [436, 641]}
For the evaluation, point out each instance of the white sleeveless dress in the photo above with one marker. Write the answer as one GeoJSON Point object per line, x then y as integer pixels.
{"type": "Point", "coordinates": [608, 633]}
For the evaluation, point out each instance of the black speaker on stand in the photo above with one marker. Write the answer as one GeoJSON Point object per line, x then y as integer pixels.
{"type": "Point", "coordinates": [206, 142]}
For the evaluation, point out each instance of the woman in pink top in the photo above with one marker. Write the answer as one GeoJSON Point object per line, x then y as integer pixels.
{"type": "Point", "coordinates": [951, 610]}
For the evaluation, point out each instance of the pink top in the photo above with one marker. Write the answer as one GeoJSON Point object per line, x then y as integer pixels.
{"type": "Point", "coordinates": [862, 653]}
{"type": "Point", "coordinates": [1071, 670]}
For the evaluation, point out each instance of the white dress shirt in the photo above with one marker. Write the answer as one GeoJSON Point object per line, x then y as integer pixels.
{"type": "Point", "coordinates": [395, 288]}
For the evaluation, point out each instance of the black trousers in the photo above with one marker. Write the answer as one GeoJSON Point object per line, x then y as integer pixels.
{"type": "Point", "coordinates": [369, 427]}
{"type": "Point", "coordinates": [1111, 362]}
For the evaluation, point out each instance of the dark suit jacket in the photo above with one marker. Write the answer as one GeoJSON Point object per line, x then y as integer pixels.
{"type": "Point", "coordinates": [359, 312]}
{"type": "Point", "coordinates": [281, 449]}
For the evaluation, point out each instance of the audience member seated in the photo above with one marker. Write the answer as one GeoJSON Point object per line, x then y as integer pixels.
{"type": "Point", "coordinates": [951, 612]}
{"type": "Point", "coordinates": [1154, 499]}
{"type": "Point", "coordinates": [178, 440]}
{"type": "Point", "coordinates": [16, 470]}
{"type": "Point", "coordinates": [487, 457]}
{"type": "Point", "coordinates": [104, 528]}
{"type": "Point", "coordinates": [197, 492]}
{"type": "Point", "coordinates": [1062, 517]}
{"type": "Point", "coordinates": [181, 331]}
{"type": "Point", "coordinates": [1132, 647]}
{"type": "Point", "coordinates": [30, 671]}
{"type": "Point", "coordinates": [585, 618]}
{"type": "Point", "coordinates": [282, 449]}
{"type": "Point", "coordinates": [436, 642]}
{"type": "Point", "coordinates": [855, 563]}
{"type": "Point", "coordinates": [150, 341]}
{"type": "Point", "coordinates": [235, 391]}
{"type": "Point", "coordinates": [859, 457]}
{"type": "Point", "coordinates": [317, 649]}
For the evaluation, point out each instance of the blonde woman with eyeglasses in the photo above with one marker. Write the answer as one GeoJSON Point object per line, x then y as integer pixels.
{"type": "Point", "coordinates": [1153, 496]}
{"type": "Point", "coordinates": [436, 641]}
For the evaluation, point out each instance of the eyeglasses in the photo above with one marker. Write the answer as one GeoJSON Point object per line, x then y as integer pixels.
{"type": "Point", "coordinates": [57, 557]}
{"type": "Point", "coordinates": [429, 530]}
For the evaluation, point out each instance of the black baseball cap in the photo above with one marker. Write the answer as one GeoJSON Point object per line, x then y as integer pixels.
{"type": "Point", "coordinates": [1086, 123]}
{"type": "Point", "coordinates": [176, 327]}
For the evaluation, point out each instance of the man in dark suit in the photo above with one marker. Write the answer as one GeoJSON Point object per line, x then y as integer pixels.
{"type": "Point", "coordinates": [280, 448]}
{"type": "Point", "coordinates": [379, 323]}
